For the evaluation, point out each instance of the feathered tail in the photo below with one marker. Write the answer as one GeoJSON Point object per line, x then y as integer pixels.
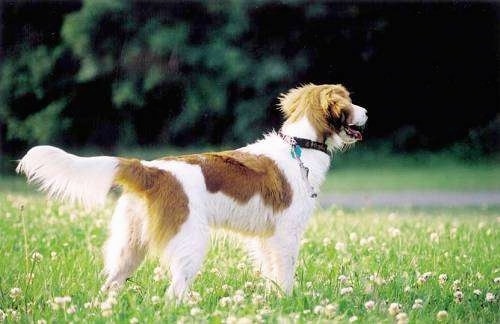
{"type": "Point", "coordinates": [85, 180]}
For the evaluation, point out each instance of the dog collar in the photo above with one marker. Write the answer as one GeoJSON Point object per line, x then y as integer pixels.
{"type": "Point", "coordinates": [304, 143]}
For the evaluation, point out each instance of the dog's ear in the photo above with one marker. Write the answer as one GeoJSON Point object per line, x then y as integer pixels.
{"type": "Point", "coordinates": [291, 101]}
{"type": "Point", "coordinates": [334, 101]}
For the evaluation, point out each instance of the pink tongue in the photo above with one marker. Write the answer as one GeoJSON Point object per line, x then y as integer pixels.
{"type": "Point", "coordinates": [354, 133]}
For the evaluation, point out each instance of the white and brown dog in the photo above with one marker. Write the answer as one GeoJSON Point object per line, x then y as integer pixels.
{"type": "Point", "coordinates": [265, 191]}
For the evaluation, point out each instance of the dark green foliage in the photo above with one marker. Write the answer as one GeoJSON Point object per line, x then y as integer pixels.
{"type": "Point", "coordinates": [118, 73]}
{"type": "Point", "coordinates": [183, 64]}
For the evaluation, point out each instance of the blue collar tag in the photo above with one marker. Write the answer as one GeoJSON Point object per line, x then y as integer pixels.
{"type": "Point", "coordinates": [296, 151]}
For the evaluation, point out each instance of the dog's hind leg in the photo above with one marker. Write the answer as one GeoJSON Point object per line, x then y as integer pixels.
{"type": "Point", "coordinates": [125, 249]}
{"type": "Point", "coordinates": [184, 255]}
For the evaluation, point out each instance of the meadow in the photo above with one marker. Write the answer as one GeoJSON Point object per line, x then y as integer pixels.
{"type": "Point", "coordinates": [366, 265]}
{"type": "Point", "coordinates": [381, 265]}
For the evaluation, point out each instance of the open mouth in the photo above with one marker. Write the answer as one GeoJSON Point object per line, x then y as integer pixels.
{"type": "Point", "coordinates": [354, 131]}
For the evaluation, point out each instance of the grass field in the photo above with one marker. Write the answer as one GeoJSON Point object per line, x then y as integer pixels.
{"type": "Point", "coordinates": [353, 265]}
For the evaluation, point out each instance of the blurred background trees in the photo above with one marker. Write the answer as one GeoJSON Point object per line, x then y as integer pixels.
{"type": "Point", "coordinates": [126, 73]}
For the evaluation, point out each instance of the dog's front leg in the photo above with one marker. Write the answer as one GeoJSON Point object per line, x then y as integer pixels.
{"type": "Point", "coordinates": [285, 249]}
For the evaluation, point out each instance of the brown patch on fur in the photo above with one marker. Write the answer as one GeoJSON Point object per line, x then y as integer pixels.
{"type": "Point", "coordinates": [318, 103]}
{"type": "Point", "coordinates": [165, 198]}
{"type": "Point", "coordinates": [242, 175]}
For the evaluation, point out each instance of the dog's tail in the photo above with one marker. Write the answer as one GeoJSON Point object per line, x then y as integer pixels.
{"type": "Point", "coordinates": [85, 180]}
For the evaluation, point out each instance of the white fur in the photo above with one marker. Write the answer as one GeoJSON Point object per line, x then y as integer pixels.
{"type": "Point", "coordinates": [359, 116]}
{"type": "Point", "coordinates": [127, 244]}
{"type": "Point", "coordinates": [86, 180]}
{"type": "Point", "coordinates": [272, 238]}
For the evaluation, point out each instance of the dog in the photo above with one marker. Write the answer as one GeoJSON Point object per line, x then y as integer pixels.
{"type": "Point", "coordinates": [265, 191]}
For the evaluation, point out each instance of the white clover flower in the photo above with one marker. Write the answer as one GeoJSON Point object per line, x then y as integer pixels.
{"type": "Point", "coordinates": [106, 308]}
{"type": "Point", "coordinates": [490, 297]}
{"type": "Point", "coordinates": [71, 309]}
{"type": "Point", "coordinates": [346, 290]}
{"type": "Point", "coordinates": [195, 311]}
{"type": "Point", "coordinates": [394, 232]}
{"type": "Point", "coordinates": [61, 301]}
{"type": "Point", "coordinates": [353, 237]}
{"type": "Point", "coordinates": [477, 292]}
{"type": "Point", "coordinates": [407, 289]}
{"type": "Point", "coordinates": [318, 310]}
{"type": "Point", "coordinates": [15, 293]}
{"type": "Point", "coordinates": [434, 237]}
{"type": "Point", "coordinates": [248, 285]}
{"type": "Point", "coordinates": [369, 305]}
{"type": "Point", "coordinates": [340, 246]}
{"type": "Point", "coordinates": [238, 299]}
{"type": "Point", "coordinates": [112, 297]}
{"type": "Point", "coordinates": [417, 305]}
{"type": "Point", "coordinates": [92, 304]}
{"type": "Point", "coordinates": [231, 320]}
{"type": "Point", "coordinates": [376, 278]}
{"type": "Point", "coordinates": [14, 314]}
{"type": "Point", "coordinates": [244, 320]}
{"type": "Point", "coordinates": [36, 256]}
{"type": "Point", "coordinates": [442, 315]}
{"type": "Point", "coordinates": [330, 309]}
{"type": "Point", "coordinates": [458, 296]}
{"type": "Point", "coordinates": [343, 279]}
{"type": "Point", "coordinates": [456, 285]}
{"type": "Point", "coordinates": [257, 299]}
{"type": "Point", "coordinates": [159, 274]}
{"type": "Point", "coordinates": [215, 271]}
{"type": "Point", "coordinates": [266, 310]}
{"type": "Point", "coordinates": [193, 298]}
{"type": "Point", "coordinates": [353, 319]}
{"type": "Point", "coordinates": [225, 301]}
{"type": "Point", "coordinates": [402, 318]}
{"type": "Point", "coordinates": [134, 320]}
{"type": "Point", "coordinates": [367, 241]}
{"type": "Point", "coordinates": [155, 299]}
{"type": "Point", "coordinates": [327, 241]}
{"type": "Point", "coordinates": [496, 280]}
{"type": "Point", "coordinates": [394, 309]}
{"type": "Point", "coordinates": [442, 278]}
{"type": "Point", "coordinates": [3, 316]}
{"type": "Point", "coordinates": [241, 266]}
{"type": "Point", "coordinates": [424, 277]}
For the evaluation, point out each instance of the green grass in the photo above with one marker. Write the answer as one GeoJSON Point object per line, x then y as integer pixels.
{"type": "Point", "coordinates": [455, 177]}
{"type": "Point", "coordinates": [379, 170]}
{"type": "Point", "coordinates": [380, 252]}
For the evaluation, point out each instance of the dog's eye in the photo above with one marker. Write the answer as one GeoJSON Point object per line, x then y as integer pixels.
{"type": "Point", "coordinates": [343, 117]}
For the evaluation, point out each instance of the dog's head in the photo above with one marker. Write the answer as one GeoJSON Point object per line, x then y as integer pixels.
{"type": "Point", "coordinates": [329, 109]}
